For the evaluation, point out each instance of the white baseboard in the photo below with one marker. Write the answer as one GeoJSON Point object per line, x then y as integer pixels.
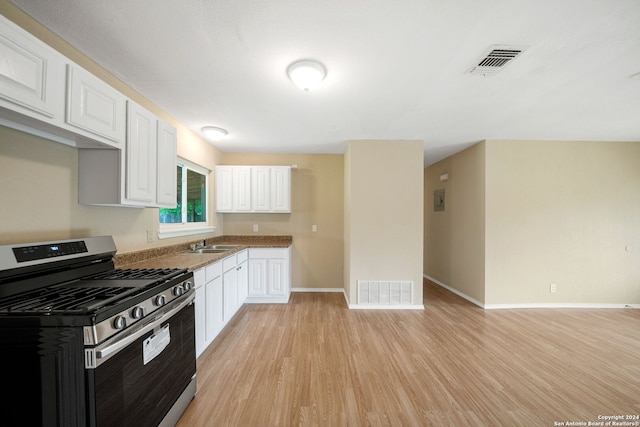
{"type": "Point", "coordinates": [362, 306]}
{"type": "Point", "coordinates": [559, 305]}
{"type": "Point", "coordinates": [267, 300]}
{"type": "Point", "coordinates": [455, 291]}
{"type": "Point", "coordinates": [386, 306]}
{"type": "Point", "coordinates": [528, 305]}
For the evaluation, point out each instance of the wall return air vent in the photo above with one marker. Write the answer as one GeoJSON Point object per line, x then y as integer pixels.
{"type": "Point", "coordinates": [496, 59]}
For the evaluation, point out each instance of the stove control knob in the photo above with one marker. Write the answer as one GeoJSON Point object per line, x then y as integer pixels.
{"type": "Point", "coordinates": [137, 312]}
{"type": "Point", "coordinates": [160, 300]}
{"type": "Point", "coordinates": [178, 290]}
{"type": "Point", "coordinates": [187, 285]}
{"type": "Point", "coordinates": [119, 322]}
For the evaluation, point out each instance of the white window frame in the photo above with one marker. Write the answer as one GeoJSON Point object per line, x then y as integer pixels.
{"type": "Point", "coordinates": [167, 231]}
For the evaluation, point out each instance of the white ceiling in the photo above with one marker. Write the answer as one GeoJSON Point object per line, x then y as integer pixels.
{"type": "Point", "coordinates": [397, 69]}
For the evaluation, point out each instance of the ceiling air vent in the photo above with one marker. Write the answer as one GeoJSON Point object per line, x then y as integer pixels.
{"type": "Point", "coordinates": [495, 59]}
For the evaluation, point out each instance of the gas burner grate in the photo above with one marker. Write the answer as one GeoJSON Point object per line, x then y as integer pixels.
{"type": "Point", "coordinates": [145, 273]}
{"type": "Point", "coordinates": [63, 300]}
{"type": "Point", "coordinates": [88, 293]}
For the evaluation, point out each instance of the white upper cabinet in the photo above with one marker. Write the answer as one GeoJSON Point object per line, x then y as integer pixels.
{"type": "Point", "coordinates": [233, 189]}
{"type": "Point", "coordinates": [241, 189]}
{"type": "Point", "coordinates": [224, 188]}
{"type": "Point", "coordinates": [167, 175]}
{"type": "Point", "coordinates": [142, 146]}
{"type": "Point", "coordinates": [94, 108]}
{"type": "Point", "coordinates": [45, 94]}
{"type": "Point", "coordinates": [139, 175]}
{"type": "Point", "coordinates": [261, 188]}
{"type": "Point", "coordinates": [253, 189]}
{"type": "Point", "coordinates": [127, 155]}
{"type": "Point", "coordinates": [280, 189]}
{"type": "Point", "coordinates": [31, 74]}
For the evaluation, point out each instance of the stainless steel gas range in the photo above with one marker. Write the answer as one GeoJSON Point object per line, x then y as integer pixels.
{"type": "Point", "coordinates": [84, 343]}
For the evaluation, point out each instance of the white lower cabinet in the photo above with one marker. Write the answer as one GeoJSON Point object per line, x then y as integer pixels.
{"type": "Point", "coordinates": [235, 281]}
{"type": "Point", "coordinates": [230, 283]}
{"type": "Point", "coordinates": [243, 279]}
{"type": "Point", "coordinates": [213, 302]}
{"type": "Point", "coordinates": [219, 295]}
{"type": "Point", "coordinates": [208, 310]}
{"type": "Point", "coordinates": [200, 311]}
{"type": "Point", "coordinates": [269, 275]}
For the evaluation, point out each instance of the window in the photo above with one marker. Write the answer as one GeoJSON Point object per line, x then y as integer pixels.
{"type": "Point", "coordinates": [190, 214]}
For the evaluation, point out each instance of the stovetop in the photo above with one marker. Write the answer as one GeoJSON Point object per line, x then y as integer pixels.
{"type": "Point", "coordinates": [87, 294]}
{"type": "Point", "coordinates": [74, 283]}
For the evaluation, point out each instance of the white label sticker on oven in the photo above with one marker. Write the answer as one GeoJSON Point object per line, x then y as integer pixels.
{"type": "Point", "coordinates": [154, 345]}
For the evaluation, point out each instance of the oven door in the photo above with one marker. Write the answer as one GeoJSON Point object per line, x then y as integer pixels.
{"type": "Point", "coordinates": [139, 377]}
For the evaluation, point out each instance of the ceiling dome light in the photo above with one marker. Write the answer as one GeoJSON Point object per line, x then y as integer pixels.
{"type": "Point", "coordinates": [306, 74]}
{"type": "Point", "coordinates": [214, 134]}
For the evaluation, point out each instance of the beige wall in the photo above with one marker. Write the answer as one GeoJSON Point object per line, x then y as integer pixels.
{"type": "Point", "coordinates": [346, 279]}
{"type": "Point", "coordinates": [317, 199]}
{"type": "Point", "coordinates": [454, 238]}
{"type": "Point", "coordinates": [43, 203]}
{"type": "Point", "coordinates": [566, 213]}
{"type": "Point", "coordinates": [384, 229]}
{"type": "Point", "coordinates": [559, 212]}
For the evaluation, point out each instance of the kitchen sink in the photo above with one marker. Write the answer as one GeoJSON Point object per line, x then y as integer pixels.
{"type": "Point", "coordinates": [207, 251]}
{"type": "Point", "coordinates": [223, 247]}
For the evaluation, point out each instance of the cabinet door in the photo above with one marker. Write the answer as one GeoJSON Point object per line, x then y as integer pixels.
{"type": "Point", "coordinates": [230, 291]}
{"type": "Point", "coordinates": [281, 189]}
{"type": "Point", "coordinates": [257, 277]}
{"type": "Point", "coordinates": [201, 320]}
{"type": "Point", "coordinates": [166, 172]}
{"type": "Point", "coordinates": [214, 307]}
{"type": "Point", "coordinates": [95, 107]}
{"type": "Point", "coordinates": [243, 282]}
{"type": "Point", "coordinates": [242, 189]}
{"type": "Point", "coordinates": [261, 188]}
{"type": "Point", "coordinates": [224, 189]}
{"type": "Point", "coordinates": [141, 156]}
{"type": "Point", "coordinates": [200, 310]}
{"type": "Point", "coordinates": [31, 74]}
{"type": "Point", "coordinates": [278, 276]}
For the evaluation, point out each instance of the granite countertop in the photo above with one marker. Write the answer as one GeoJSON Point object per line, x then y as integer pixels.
{"type": "Point", "coordinates": [177, 256]}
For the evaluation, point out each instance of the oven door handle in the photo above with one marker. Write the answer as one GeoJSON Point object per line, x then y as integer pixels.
{"type": "Point", "coordinates": [94, 357]}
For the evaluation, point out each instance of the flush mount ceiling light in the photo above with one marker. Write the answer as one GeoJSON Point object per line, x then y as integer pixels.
{"type": "Point", "coordinates": [214, 133]}
{"type": "Point", "coordinates": [307, 74]}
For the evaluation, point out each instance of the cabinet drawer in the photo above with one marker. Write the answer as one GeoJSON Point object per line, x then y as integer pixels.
{"type": "Point", "coordinates": [268, 253]}
{"type": "Point", "coordinates": [242, 256]}
{"type": "Point", "coordinates": [213, 270]}
{"type": "Point", "coordinates": [229, 263]}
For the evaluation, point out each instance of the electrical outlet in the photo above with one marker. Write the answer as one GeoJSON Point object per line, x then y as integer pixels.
{"type": "Point", "coordinates": [552, 288]}
{"type": "Point", "coordinates": [150, 236]}
{"type": "Point", "coordinates": [255, 227]}
{"type": "Point", "coordinates": [314, 228]}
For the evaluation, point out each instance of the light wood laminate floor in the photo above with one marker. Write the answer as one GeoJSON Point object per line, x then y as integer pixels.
{"type": "Point", "coordinates": [315, 362]}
